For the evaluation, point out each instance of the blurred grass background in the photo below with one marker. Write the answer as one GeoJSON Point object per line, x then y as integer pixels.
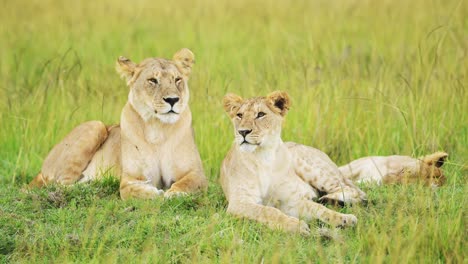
{"type": "Point", "coordinates": [366, 78]}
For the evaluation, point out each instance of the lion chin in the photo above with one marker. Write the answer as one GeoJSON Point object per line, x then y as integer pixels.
{"type": "Point", "coordinates": [169, 118]}
{"type": "Point", "coordinates": [247, 147]}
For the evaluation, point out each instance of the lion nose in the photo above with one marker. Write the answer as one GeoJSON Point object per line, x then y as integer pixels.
{"type": "Point", "coordinates": [244, 132]}
{"type": "Point", "coordinates": [171, 100]}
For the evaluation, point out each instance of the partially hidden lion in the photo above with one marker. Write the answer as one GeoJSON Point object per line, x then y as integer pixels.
{"type": "Point", "coordinates": [397, 169]}
{"type": "Point", "coordinates": [152, 149]}
{"type": "Point", "coordinates": [277, 183]}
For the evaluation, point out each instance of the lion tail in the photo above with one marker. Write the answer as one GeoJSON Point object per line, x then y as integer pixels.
{"type": "Point", "coordinates": [38, 181]}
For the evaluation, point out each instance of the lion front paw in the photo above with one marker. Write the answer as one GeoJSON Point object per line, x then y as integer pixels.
{"type": "Point", "coordinates": [139, 190]}
{"type": "Point", "coordinates": [341, 199]}
{"type": "Point", "coordinates": [297, 226]}
{"type": "Point", "coordinates": [171, 194]}
{"type": "Point", "coordinates": [159, 192]}
{"type": "Point", "coordinates": [304, 228]}
{"type": "Point", "coordinates": [343, 220]}
{"type": "Point", "coordinates": [150, 191]}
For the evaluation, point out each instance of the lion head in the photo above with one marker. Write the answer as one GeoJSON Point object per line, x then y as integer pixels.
{"type": "Point", "coordinates": [257, 121]}
{"type": "Point", "coordinates": [431, 170]}
{"type": "Point", "coordinates": [158, 87]}
{"type": "Point", "coordinates": [426, 170]}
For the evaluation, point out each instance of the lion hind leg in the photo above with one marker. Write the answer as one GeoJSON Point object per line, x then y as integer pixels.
{"type": "Point", "coordinates": [106, 161]}
{"type": "Point", "coordinates": [342, 197]}
{"type": "Point", "coordinates": [68, 159]}
{"type": "Point", "coordinates": [328, 180]}
{"type": "Point", "coordinates": [343, 191]}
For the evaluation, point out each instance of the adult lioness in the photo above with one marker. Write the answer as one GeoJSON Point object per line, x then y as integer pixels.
{"type": "Point", "coordinates": [153, 148]}
{"type": "Point", "coordinates": [397, 169]}
{"type": "Point", "coordinates": [273, 182]}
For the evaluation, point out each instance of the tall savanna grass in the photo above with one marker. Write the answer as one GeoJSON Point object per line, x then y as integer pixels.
{"type": "Point", "coordinates": [365, 77]}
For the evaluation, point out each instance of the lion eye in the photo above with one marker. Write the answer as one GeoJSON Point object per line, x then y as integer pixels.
{"type": "Point", "coordinates": [178, 80]}
{"type": "Point", "coordinates": [260, 114]}
{"type": "Point", "coordinates": [153, 81]}
{"type": "Point", "coordinates": [239, 115]}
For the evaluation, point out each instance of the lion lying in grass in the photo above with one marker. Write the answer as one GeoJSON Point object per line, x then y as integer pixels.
{"type": "Point", "coordinates": [153, 148]}
{"type": "Point", "coordinates": [397, 169]}
{"type": "Point", "coordinates": [276, 183]}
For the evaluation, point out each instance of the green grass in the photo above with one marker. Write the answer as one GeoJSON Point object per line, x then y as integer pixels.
{"type": "Point", "coordinates": [366, 78]}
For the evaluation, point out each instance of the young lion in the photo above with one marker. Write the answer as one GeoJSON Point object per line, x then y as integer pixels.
{"type": "Point", "coordinates": [397, 169]}
{"type": "Point", "coordinates": [153, 148]}
{"type": "Point", "coordinates": [273, 182]}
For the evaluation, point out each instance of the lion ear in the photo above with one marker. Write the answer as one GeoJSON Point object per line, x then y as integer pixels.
{"type": "Point", "coordinates": [232, 103]}
{"type": "Point", "coordinates": [279, 102]}
{"type": "Point", "coordinates": [437, 159]}
{"type": "Point", "coordinates": [126, 68]}
{"type": "Point", "coordinates": [184, 60]}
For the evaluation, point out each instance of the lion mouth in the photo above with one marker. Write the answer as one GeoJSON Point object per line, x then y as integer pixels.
{"type": "Point", "coordinates": [249, 143]}
{"type": "Point", "coordinates": [170, 112]}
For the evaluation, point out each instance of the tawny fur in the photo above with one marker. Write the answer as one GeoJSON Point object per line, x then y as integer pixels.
{"type": "Point", "coordinates": [277, 183]}
{"type": "Point", "coordinates": [152, 149]}
{"type": "Point", "coordinates": [397, 169]}
{"type": "Point", "coordinates": [68, 159]}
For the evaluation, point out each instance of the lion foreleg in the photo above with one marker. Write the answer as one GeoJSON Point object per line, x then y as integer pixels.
{"type": "Point", "coordinates": [270, 216]}
{"type": "Point", "coordinates": [191, 182]}
{"type": "Point", "coordinates": [311, 210]}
